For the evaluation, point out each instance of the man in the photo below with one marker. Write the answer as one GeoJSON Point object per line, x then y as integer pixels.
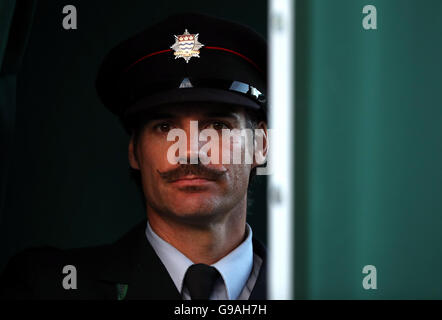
{"type": "Point", "coordinates": [186, 75]}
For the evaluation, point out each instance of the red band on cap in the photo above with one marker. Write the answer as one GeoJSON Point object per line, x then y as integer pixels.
{"type": "Point", "coordinates": [211, 48]}
{"type": "Point", "coordinates": [238, 54]}
{"type": "Point", "coordinates": [145, 57]}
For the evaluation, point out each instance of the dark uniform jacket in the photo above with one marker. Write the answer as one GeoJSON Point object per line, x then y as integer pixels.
{"type": "Point", "coordinates": [126, 269]}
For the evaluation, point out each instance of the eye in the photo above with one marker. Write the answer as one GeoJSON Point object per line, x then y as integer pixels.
{"type": "Point", "coordinates": [218, 125]}
{"type": "Point", "coordinates": [163, 127]}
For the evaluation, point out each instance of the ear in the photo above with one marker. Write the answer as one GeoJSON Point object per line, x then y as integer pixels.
{"type": "Point", "coordinates": [133, 161]}
{"type": "Point", "coordinates": [261, 143]}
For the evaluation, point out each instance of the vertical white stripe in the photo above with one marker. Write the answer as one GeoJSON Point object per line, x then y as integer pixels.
{"type": "Point", "coordinates": [281, 161]}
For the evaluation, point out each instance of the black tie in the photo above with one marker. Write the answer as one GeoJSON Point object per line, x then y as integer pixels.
{"type": "Point", "coordinates": [200, 280]}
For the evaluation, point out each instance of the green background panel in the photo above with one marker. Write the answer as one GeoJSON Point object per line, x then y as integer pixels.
{"type": "Point", "coordinates": [368, 149]}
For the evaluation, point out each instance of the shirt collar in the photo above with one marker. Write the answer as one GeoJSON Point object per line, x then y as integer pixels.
{"type": "Point", "coordinates": [175, 262]}
{"type": "Point", "coordinates": [235, 268]}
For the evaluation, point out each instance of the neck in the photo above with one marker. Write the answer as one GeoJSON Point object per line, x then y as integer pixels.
{"type": "Point", "coordinates": [202, 243]}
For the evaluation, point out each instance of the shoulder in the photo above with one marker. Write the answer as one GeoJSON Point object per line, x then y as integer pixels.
{"type": "Point", "coordinates": [39, 272]}
{"type": "Point", "coordinates": [42, 273]}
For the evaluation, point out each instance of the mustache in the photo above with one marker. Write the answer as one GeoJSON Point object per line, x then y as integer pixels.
{"type": "Point", "coordinates": [191, 169]}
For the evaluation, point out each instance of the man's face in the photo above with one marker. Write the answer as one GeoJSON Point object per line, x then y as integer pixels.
{"type": "Point", "coordinates": [193, 192]}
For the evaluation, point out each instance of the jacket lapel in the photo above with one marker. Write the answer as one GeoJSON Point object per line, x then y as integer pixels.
{"type": "Point", "coordinates": [259, 291]}
{"type": "Point", "coordinates": [134, 271]}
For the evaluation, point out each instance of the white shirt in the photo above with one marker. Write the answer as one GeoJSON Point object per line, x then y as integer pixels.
{"type": "Point", "coordinates": [239, 269]}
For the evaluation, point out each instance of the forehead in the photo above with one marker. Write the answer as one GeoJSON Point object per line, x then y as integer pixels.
{"type": "Point", "coordinates": [198, 110]}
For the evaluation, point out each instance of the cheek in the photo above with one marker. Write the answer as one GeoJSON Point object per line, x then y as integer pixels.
{"type": "Point", "coordinates": [153, 154]}
{"type": "Point", "coordinates": [242, 174]}
{"type": "Point", "coordinates": [232, 156]}
{"type": "Point", "coordinates": [238, 151]}
{"type": "Point", "coordinates": [237, 178]}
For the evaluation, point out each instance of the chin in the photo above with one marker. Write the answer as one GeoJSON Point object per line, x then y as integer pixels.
{"type": "Point", "coordinates": [194, 206]}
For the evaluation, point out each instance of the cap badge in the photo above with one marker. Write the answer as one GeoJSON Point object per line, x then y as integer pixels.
{"type": "Point", "coordinates": [187, 46]}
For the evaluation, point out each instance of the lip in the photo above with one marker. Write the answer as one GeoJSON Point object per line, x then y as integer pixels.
{"type": "Point", "coordinates": [191, 181]}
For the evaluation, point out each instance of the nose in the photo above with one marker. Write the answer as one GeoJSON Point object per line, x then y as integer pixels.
{"type": "Point", "coordinates": [193, 151]}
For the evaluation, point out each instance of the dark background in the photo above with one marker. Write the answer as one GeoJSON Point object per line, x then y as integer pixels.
{"type": "Point", "coordinates": [68, 182]}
